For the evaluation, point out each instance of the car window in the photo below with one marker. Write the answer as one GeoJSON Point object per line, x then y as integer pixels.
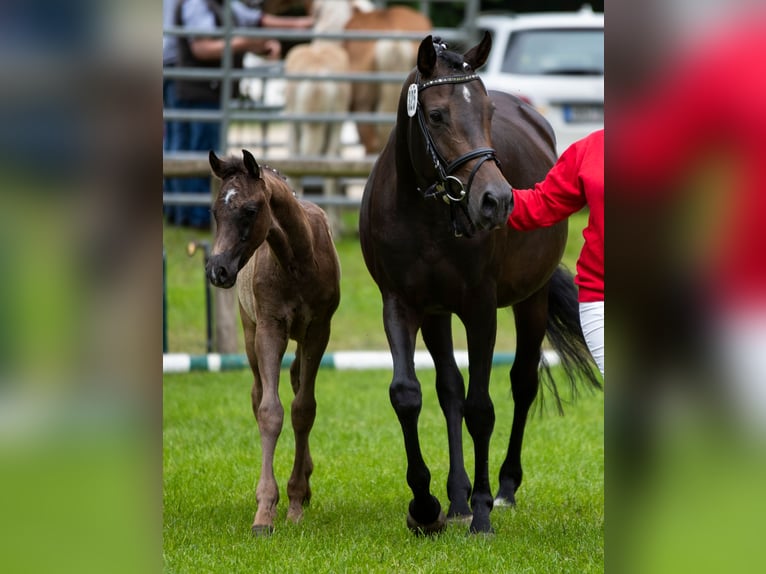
{"type": "Point", "coordinates": [549, 52]}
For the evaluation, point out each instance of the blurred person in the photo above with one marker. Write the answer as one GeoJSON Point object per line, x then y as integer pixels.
{"type": "Point", "coordinates": [686, 415]}
{"type": "Point", "coordinates": [574, 182]}
{"type": "Point", "coordinates": [205, 52]}
{"type": "Point", "coordinates": [690, 150]}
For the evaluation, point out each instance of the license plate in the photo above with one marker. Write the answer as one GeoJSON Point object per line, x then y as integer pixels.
{"type": "Point", "coordinates": [583, 113]}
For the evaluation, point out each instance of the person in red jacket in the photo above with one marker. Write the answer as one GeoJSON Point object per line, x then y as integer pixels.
{"type": "Point", "coordinates": [574, 182]}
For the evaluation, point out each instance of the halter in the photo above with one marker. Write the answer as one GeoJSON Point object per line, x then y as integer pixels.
{"type": "Point", "coordinates": [447, 186]}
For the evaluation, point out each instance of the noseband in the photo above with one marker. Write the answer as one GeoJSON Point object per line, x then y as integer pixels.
{"type": "Point", "coordinates": [447, 186]}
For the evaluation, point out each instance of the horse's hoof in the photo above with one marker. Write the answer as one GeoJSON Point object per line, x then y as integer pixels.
{"type": "Point", "coordinates": [435, 527]}
{"type": "Point", "coordinates": [295, 513]}
{"type": "Point", "coordinates": [262, 530]}
{"type": "Point", "coordinates": [502, 502]}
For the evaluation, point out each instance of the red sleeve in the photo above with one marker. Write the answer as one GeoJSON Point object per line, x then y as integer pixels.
{"type": "Point", "coordinates": [554, 199]}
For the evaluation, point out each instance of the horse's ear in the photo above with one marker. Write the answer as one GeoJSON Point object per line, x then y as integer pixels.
{"type": "Point", "coordinates": [477, 55]}
{"type": "Point", "coordinates": [215, 163]}
{"type": "Point", "coordinates": [251, 165]}
{"type": "Point", "coordinates": [426, 56]}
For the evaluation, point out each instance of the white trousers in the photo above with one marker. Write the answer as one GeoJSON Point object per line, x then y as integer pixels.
{"type": "Point", "coordinates": [592, 322]}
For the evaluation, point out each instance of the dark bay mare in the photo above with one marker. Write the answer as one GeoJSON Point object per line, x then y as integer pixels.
{"type": "Point", "coordinates": [279, 251]}
{"type": "Point", "coordinates": [434, 238]}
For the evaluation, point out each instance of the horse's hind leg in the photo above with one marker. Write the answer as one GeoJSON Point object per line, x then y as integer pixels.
{"type": "Point", "coordinates": [303, 412]}
{"type": "Point", "coordinates": [530, 318]}
{"type": "Point", "coordinates": [450, 388]}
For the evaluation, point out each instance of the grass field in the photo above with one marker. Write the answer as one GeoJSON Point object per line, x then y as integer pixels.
{"type": "Point", "coordinates": [356, 521]}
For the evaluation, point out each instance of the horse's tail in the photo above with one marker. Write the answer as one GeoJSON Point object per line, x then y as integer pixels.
{"type": "Point", "coordinates": [566, 337]}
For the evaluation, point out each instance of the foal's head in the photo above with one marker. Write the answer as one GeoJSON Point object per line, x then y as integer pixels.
{"type": "Point", "coordinates": [242, 215]}
{"type": "Point", "coordinates": [450, 141]}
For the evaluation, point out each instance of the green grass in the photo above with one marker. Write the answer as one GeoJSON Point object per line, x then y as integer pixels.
{"type": "Point", "coordinates": [357, 324]}
{"type": "Point", "coordinates": [356, 521]}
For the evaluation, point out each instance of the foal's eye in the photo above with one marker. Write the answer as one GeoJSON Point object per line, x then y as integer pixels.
{"type": "Point", "coordinates": [435, 116]}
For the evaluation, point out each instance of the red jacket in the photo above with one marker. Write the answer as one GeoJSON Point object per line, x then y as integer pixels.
{"type": "Point", "coordinates": [575, 181]}
{"type": "Point", "coordinates": [705, 115]}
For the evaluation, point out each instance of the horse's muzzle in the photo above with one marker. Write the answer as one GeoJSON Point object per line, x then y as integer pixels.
{"type": "Point", "coordinates": [495, 208]}
{"type": "Point", "coordinates": [220, 274]}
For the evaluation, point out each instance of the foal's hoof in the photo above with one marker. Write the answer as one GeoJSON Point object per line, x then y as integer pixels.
{"type": "Point", "coordinates": [262, 530]}
{"type": "Point", "coordinates": [427, 529]}
{"type": "Point", "coordinates": [295, 513]}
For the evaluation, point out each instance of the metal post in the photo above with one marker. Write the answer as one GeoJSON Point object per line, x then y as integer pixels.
{"type": "Point", "coordinates": [191, 249]}
{"type": "Point", "coordinates": [226, 64]}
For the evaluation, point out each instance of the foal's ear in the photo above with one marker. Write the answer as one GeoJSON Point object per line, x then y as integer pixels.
{"type": "Point", "coordinates": [251, 165]}
{"type": "Point", "coordinates": [477, 55]}
{"type": "Point", "coordinates": [426, 56]}
{"type": "Point", "coordinates": [215, 163]}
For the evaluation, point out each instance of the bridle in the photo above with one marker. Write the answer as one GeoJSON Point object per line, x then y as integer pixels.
{"type": "Point", "coordinates": [448, 187]}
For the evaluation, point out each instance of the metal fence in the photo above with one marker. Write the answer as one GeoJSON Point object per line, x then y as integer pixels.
{"type": "Point", "coordinates": [259, 115]}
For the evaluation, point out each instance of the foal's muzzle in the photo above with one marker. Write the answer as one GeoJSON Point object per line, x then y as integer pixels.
{"type": "Point", "coordinates": [220, 272]}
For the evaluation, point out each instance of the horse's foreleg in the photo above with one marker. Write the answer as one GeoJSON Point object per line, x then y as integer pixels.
{"type": "Point", "coordinates": [249, 329]}
{"type": "Point", "coordinates": [303, 412]}
{"type": "Point", "coordinates": [425, 515]}
{"type": "Point", "coordinates": [270, 345]}
{"type": "Point", "coordinates": [530, 319]}
{"type": "Point", "coordinates": [481, 325]}
{"type": "Point", "coordinates": [450, 388]}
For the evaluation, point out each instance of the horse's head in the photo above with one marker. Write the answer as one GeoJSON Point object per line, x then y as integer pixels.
{"type": "Point", "coordinates": [450, 143]}
{"type": "Point", "coordinates": [242, 215]}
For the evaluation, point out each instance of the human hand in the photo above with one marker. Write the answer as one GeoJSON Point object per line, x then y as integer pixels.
{"type": "Point", "coordinates": [271, 49]}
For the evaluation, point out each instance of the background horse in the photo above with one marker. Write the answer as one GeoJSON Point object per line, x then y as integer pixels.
{"type": "Point", "coordinates": [432, 258]}
{"type": "Point", "coordinates": [381, 56]}
{"type": "Point", "coordinates": [279, 251]}
{"type": "Point", "coordinates": [320, 57]}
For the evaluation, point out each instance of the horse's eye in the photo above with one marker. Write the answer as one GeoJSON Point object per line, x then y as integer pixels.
{"type": "Point", "coordinates": [435, 116]}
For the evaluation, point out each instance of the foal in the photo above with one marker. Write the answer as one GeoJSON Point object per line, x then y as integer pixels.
{"type": "Point", "coordinates": [279, 251]}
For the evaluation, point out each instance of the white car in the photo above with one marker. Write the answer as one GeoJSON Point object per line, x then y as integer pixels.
{"type": "Point", "coordinates": [554, 61]}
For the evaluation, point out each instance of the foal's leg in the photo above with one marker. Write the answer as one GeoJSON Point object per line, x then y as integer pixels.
{"type": "Point", "coordinates": [425, 515]}
{"type": "Point", "coordinates": [530, 318]}
{"type": "Point", "coordinates": [480, 321]}
{"type": "Point", "coordinates": [257, 392]}
{"type": "Point", "coordinates": [450, 388]}
{"type": "Point", "coordinates": [303, 412]}
{"type": "Point", "coordinates": [270, 345]}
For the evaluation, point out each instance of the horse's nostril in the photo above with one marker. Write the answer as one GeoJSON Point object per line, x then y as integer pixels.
{"type": "Point", "coordinates": [221, 274]}
{"type": "Point", "coordinates": [489, 204]}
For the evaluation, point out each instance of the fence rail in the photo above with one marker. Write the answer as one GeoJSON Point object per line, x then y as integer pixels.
{"type": "Point", "coordinates": [265, 113]}
{"type": "Point", "coordinates": [192, 165]}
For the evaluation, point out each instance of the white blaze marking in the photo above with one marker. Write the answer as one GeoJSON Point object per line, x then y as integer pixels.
{"type": "Point", "coordinates": [229, 194]}
{"type": "Point", "coordinates": [466, 94]}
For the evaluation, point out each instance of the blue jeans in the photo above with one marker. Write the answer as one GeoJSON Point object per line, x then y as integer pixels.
{"type": "Point", "coordinates": [191, 136]}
